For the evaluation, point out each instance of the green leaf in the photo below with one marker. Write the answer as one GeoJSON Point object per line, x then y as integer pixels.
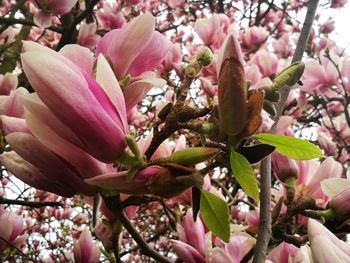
{"type": "Point", "coordinates": [244, 175]}
{"type": "Point", "coordinates": [215, 215]}
{"type": "Point", "coordinates": [291, 147]}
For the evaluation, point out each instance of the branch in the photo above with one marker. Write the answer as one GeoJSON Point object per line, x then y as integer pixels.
{"type": "Point", "coordinates": [28, 22]}
{"type": "Point", "coordinates": [265, 181]}
{"type": "Point", "coordinates": [33, 204]}
{"type": "Point", "coordinates": [112, 203]}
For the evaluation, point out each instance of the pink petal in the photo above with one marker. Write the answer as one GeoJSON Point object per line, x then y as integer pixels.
{"type": "Point", "coordinates": [42, 19]}
{"type": "Point", "coordinates": [41, 157]}
{"type": "Point", "coordinates": [30, 175]}
{"type": "Point", "coordinates": [61, 7]}
{"type": "Point", "coordinates": [136, 91]}
{"type": "Point", "coordinates": [86, 251]}
{"type": "Point", "coordinates": [186, 252]}
{"type": "Point", "coordinates": [151, 56]}
{"type": "Point", "coordinates": [220, 256]}
{"type": "Point", "coordinates": [13, 124]}
{"type": "Point", "coordinates": [230, 48]}
{"type": "Point", "coordinates": [105, 77]}
{"type": "Point", "coordinates": [128, 43]}
{"type": "Point", "coordinates": [80, 56]}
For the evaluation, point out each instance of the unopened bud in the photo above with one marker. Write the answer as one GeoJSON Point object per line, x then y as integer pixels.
{"type": "Point", "coordinates": [192, 156]}
{"type": "Point", "coordinates": [269, 108]}
{"type": "Point", "coordinates": [205, 56]}
{"type": "Point", "coordinates": [193, 69]}
{"type": "Point", "coordinates": [232, 95]}
{"type": "Point", "coordinates": [290, 75]}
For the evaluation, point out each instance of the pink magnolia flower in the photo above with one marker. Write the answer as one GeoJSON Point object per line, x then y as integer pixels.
{"type": "Point", "coordinates": [266, 61]}
{"type": "Point", "coordinates": [136, 47]}
{"type": "Point", "coordinates": [327, 27]}
{"type": "Point", "coordinates": [319, 77]}
{"type": "Point", "coordinates": [87, 35]}
{"type": "Point", "coordinates": [311, 174]}
{"type": "Point", "coordinates": [213, 30]}
{"type": "Point", "coordinates": [192, 232]}
{"type": "Point", "coordinates": [92, 112]}
{"type": "Point", "coordinates": [110, 18]}
{"type": "Point", "coordinates": [253, 37]}
{"type": "Point", "coordinates": [325, 246]}
{"type": "Point", "coordinates": [85, 250]}
{"type": "Point", "coordinates": [11, 226]}
{"type": "Point", "coordinates": [50, 7]}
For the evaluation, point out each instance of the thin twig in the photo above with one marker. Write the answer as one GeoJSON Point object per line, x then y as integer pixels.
{"type": "Point", "coordinates": [265, 181]}
{"type": "Point", "coordinates": [33, 204]}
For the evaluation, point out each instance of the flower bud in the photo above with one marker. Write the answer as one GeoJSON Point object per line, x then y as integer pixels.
{"type": "Point", "coordinates": [192, 156]}
{"type": "Point", "coordinates": [205, 56]}
{"type": "Point", "coordinates": [290, 75]}
{"type": "Point", "coordinates": [232, 94]}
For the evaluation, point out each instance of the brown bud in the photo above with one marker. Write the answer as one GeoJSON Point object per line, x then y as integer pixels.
{"type": "Point", "coordinates": [232, 97]}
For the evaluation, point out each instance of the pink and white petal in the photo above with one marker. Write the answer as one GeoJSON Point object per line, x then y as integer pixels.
{"type": "Point", "coordinates": [128, 42]}
{"type": "Point", "coordinates": [334, 186]}
{"type": "Point", "coordinates": [81, 56]}
{"type": "Point", "coordinates": [42, 19]}
{"type": "Point", "coordinates": [187, 253]}
{"type": "Point", "coordinates": [86, 165]}
{"type": "Point", "coordinates": [30, 149]}
{"type": "Point", "coordinates": [136, 91]}
{"type": "Point", "coordinates": [30, 175]}
{"type": "Point", "coordinates": [13, 124]}
{"type": "Point", "coordinates": [61, 7]}
{"type": "Point", "coordinates": [106, 79]}
{"type": "Point", "coordinates": [220, 256]}
{"type": "Point", "coordinates": [151, 56]}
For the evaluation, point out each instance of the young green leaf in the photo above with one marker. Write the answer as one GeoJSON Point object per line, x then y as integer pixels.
{"type": "Point", "coordinates": [244, 175]}
{"type": "Point", "coordinates": [291, 147]}
{"type": "Point", "coordinates": [215, 215]}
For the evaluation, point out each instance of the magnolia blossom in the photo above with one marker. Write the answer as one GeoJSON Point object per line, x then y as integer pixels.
{"type": "Point", "coordinates": [11, 226]}
{"type": "Point", "coordinates": [87, 35]}
{"type": "Point", "coordinates": [254, 37]}
{"type": "Point", "coordinates": [88, 113]}
{"type": "Point", "coordinates": [320, 77]}
{"type": "Point", "coordinates": [85, 250]}
{"type": "Point", "coordinates": [213, 30]}
{"type": "Point", "coordinates": [136, 47]}
{"type": "Point", "coordinates": [48, 8]}
{"type": "Point", "coordinates": [325, 246]}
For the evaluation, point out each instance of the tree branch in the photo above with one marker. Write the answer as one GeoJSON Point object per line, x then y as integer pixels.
{"type": "Point", "coordinates": [33, 204]}
{"type": "Point", "coordinates": [265, 181]}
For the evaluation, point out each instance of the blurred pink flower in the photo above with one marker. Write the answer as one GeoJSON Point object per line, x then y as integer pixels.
{"type": "Point", "coordinates": [85, 250]}
{"type": "Point", "coordinates": [11, 226]}
{"type": "Point", "coordinates": [87, 36]}
{"type": "Point", "coordinates": [47, 8]}
{"type": "Point", "coordinates": [253, 37]}
{"type": "Point", "coordinates": [266, 61]}
{"type": "Point", "coordinates": [320, 77]}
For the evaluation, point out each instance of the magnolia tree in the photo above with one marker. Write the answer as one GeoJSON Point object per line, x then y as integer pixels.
{"type": "Point", "coordinates": [173, 131]}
